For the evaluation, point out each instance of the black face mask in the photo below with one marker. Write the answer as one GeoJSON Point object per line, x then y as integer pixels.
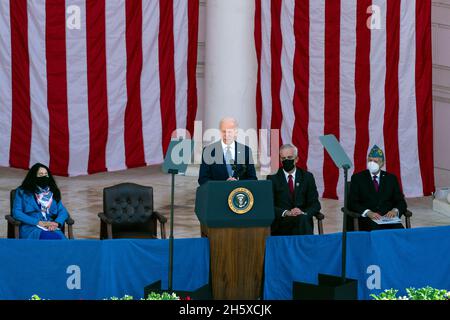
{"type": "Point", "coordinates": [288, 165]}
{"type": "Point", "coordinates": [42, 181]}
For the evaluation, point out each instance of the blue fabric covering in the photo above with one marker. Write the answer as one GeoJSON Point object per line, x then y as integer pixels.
{"type": "Point", "coordinates": [107, 268]}
{"type": "Point", "coordinates": [406, 258]}
{"type": "Point", "coordinates": [49, 235]}
{"type": "Point", "coordinates": [415, 257]}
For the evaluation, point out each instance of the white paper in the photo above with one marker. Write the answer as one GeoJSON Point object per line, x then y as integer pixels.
{"type": "Point", "coordinates": [386, 220]}
{"type": "Point", "coordinates": [43, 228]}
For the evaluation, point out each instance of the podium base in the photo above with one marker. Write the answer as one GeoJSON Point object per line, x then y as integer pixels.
{"type": "Point", "coordinates": [202, 293]}
{"type": "Point", "coordinates": [329, 288]}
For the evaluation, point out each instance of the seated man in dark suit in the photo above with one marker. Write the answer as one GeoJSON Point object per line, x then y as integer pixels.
{"type": "Point", "coordinates": [227, 159]}
{"type": "Point", "coordinates": [375, 193]}
{"type": "Point", "coordinates": [295, 196]}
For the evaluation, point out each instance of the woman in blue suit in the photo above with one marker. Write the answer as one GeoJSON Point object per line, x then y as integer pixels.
{"type": "Point", "coordinates": [38, 206]}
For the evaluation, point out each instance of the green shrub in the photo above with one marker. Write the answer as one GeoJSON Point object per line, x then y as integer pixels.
{"type": "Point", "coordinates": [151, 296]}
{"type": "Point", "coordinates": [427, 293]}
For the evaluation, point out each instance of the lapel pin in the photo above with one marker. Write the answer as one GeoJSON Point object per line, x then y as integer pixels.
{"type": "Point", "coordinates": [297, 184]}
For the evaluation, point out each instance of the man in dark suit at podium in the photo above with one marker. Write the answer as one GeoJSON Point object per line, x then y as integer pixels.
{"type": "Point", "coordinates": [295, 196]}
{"type": "Point", "coordinates": [227, 159]}
{"type": "Point", "coordinates": [375, 193]}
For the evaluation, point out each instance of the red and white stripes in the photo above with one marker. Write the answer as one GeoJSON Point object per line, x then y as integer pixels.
{"type": "Point", "coordinates": [104, 95]}
{"type": "Point", "coordinates": [325, 69]}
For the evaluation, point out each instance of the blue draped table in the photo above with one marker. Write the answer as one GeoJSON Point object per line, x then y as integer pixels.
{"type": "Point", "coordinates": [379, 260]}
{"type": "Point", "coordinates": [95, 269]}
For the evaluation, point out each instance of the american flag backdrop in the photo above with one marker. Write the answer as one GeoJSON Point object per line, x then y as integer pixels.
{"type": "Point", "coordinates": [358, 69]}
{"type": "Point", "coordinates": [94, 85]}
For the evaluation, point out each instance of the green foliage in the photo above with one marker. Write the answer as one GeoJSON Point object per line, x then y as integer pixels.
{"type": "Point", "coordinates": [388, 294]}
{"type": "Point", "coordinates": [125, 297]}
{"type": "Point", "coordinates": [162, 296]}
{"type": "Point", "coordinates": [427, 293]}
{"type": "Point", "coordinates": [151, 296]}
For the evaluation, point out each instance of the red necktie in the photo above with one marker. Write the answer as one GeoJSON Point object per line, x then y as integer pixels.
{"type": "Point", "coordinates": [375, 183]}
{"type": "Point", "coordinates": [291, 185]}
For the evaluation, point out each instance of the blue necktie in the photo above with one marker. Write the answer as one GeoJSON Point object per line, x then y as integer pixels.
{"type": "Point", "coordinates": [229, 160]}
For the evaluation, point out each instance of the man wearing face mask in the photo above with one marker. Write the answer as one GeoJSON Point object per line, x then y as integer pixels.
{"type": "Point", "coordinates": [295, 196]}
{"type": "Point", "coordinates": [375, 193]}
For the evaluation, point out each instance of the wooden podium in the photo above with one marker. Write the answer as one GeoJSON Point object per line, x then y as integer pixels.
{"type": "Point", "coordinates": [236, 217]}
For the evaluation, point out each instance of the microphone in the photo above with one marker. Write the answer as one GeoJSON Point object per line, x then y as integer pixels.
{"type": "Point", "coordinates": [239, 171]}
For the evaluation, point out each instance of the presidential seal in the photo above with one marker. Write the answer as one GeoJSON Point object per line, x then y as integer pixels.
{"type": "Point", "coordinates": [240, 200]}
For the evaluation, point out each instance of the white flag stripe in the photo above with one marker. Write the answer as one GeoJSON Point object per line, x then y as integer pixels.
{"type": "Point", "coordinates": [180, 36]}
{"type": "Point", "coordinates": [347, 84]}
{"type": "Point", "coordinates": [316, 90]}
{"type": "Point", "coordinates": [116, 62]}
{"type": "Point", "coordinates": [83, 97]}
{"type": "Point", "coordinates": [5, 83]}
{"type": "Point", "coordinates": [407, 129]}
{"type": "Point", "coordinates": [287, 67]}
{"type": "Point", "coordinates": [266, 64]}
{"type": "Point", "coordinates": [377, 79]}
{"type": "Point", "coordinates": [413, 96]}
{"type": "Point", "coordinates": [40, 135]}
{"type": "Point", "coordinates": [150, 88]}
{"type": "Point", "coordinates": [77, 94]}
{"type": "Point", "coordinates": [265, 76]}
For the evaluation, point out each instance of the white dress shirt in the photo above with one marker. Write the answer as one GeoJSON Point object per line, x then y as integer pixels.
{"type": "Point", "coordinates": [232, 149]}
{"type": "Point", "coordinates": [286, 174]}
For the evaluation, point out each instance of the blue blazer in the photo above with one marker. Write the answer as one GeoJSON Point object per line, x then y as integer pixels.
{"type": "Point", "coordinates": [218, 170]}
{"type": "Point", "coordinates": [27, 211]}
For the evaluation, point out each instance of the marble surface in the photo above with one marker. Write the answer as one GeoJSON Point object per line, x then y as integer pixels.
{"type": "Point", "coordinates": [82, 196]}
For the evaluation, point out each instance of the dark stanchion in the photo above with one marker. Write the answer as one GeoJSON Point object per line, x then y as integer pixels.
{"type": "Point", "coordinates": [173, 172]}
{"type": "Point", "coordinates": [202, 293]}
{"type": "Point", "coordinates": [178, 149]}
{"type": "Point", "coordinates": [332, 287]}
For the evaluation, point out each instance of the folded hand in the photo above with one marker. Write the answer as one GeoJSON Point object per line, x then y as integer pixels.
{"type": "Point", "coordinates": [391, 214]}
{"type": "Point", "coordinates": [373, 215]}
{"type": "Point", "coordinates": [296, 212]}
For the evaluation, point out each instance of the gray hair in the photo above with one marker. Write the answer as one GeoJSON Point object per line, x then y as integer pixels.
{"type": "Point", "coordinates": [289, 146]}
{"type": "Point", "coordinates": [229, 119]}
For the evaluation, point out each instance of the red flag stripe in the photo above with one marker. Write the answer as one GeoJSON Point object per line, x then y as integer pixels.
{"type": "Point", "coordinates": [276, 42]}
{"type": "Point", "coordinates": [424, 94]}
{"type": "Point", "coordinates": [258, 43]}
{"type": "Point", "coordinates": [97, 88]}
{"type": "Point", "coordinates": [390, 128]}
{"type": "Point", "coordinates": [134, 144]}
{"type": "Point", "coordinates": [193, 7]}
{"type": "Point", "coordinates": [57, 86]}
{"type": "Point", "coordinates": [332, 87]}
{"type": "Point", "coordinates": [21, 114]}
{"type": "Point", "coordinates": [167, 72]}
{"type": "Point", "coordinates": [362, 85]}
{"type": "Point", "coordinates": [341, 71]}
{"type": "Point", "coordinates": [301, 78]}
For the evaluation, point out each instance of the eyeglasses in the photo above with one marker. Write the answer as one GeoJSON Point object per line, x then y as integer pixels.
{"type": "Point", "coordinates": [287, 158]}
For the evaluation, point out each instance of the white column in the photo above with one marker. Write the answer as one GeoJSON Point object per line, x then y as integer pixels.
{"type": "Point", "coordinates": [230, 64]}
